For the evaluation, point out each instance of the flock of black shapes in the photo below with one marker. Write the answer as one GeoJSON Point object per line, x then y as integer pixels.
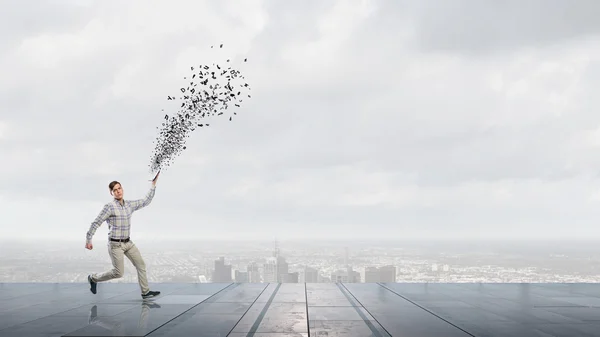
{"type": "Point", "coordinates": [211, 91]}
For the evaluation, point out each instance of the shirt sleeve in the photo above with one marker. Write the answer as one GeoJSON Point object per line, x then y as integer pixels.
{"type": "Point", "coordinates": [103, 216]}
{"type": "Point", "coordinates": [141, 203]}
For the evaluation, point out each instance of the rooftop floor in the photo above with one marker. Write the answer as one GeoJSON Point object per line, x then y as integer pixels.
{"type": "Point", "coordinates": [299, 309]}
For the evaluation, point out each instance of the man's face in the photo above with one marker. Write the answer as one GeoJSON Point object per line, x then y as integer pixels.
{"type": "Point", "coordinates": [117, 192]}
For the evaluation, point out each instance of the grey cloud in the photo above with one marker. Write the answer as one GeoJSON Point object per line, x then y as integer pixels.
{"type": "Point", "coordinates": [289, 23]}
{"type": "Point", "coordinates": [83, 84]}
{"type": "Point", "coordinates": [65, 187]}
{"type": "Point", "coordinates": [442, 139]}
{"type": "Point", "coordinates": [486, 26]}
{"type": "Point", "coordinates": [396, 221]}
{"type": "Point", "coordinates": [395, 139]}
{"type": "Point", "coordinates": [40, 17]}
{"type": "Point", "coordinates": [57, 93]}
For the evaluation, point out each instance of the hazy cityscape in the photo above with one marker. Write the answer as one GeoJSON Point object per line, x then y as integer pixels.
{"type": "Point", "coordinates": [314, 261]}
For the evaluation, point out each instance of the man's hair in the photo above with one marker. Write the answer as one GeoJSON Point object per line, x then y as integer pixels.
{"type": "Point", "coordinates": [112, 185]}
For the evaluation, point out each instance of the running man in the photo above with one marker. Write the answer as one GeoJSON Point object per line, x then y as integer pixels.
{"type": "Point", "coordinates": [117, 214]}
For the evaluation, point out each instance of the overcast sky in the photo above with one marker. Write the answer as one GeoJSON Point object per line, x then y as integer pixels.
{"type": "Point", "coordinates": [369, 119]}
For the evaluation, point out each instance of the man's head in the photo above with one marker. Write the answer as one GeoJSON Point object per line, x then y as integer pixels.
{"type": "Point", "coordinates": [116, 190]}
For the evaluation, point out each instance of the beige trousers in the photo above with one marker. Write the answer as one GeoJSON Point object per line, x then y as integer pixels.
{"type": "Point", "coordinates": [117, 250]}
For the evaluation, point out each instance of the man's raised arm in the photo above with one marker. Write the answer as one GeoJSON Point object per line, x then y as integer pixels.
{"type": "Point", "coordinates": [141, 203]}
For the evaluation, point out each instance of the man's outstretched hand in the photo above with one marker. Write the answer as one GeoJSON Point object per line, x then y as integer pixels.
{"type": "Point", "coordinates": [89, 246]}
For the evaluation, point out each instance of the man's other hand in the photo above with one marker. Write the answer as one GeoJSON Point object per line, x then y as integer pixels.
{"type": "Point", "coordinates": [89, 246]}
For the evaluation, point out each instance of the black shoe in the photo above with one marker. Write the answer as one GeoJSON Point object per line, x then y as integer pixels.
{"type": "Point", "coordinates": [150, 294]}
{"type": "Point", "coordinates": [92, 284]}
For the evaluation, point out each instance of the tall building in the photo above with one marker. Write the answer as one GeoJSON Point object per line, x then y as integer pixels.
{"type": "Point", "coordinates": [282, 268]}
{"type": "Point", "coordinates": [289, 278]}
{"type": "Point", "coordinates": [311, 275]}
{"type": "Point", "coordinates": [387, 274]}
{"type": "Point", "coordinates": [381, 274]}
{"type": "Point", "coordinates": [281, 272]}
{"type": "Point", "coordinates": [270, 270]}
{"type": "Point", "coordinates": [275, 270]}
{"type": "Point", "coordinates": [222, 271]}
{"type": "Point", "coordinates": [324, 279]}
{"type": "Point", "coordinates": [253, 273]}
{"type": "Point", "coordinates": [371, 275]}
{"type": "Point", "coordinates": [241, 276]}
{"type": "Point", "coordinates": [346, 276]}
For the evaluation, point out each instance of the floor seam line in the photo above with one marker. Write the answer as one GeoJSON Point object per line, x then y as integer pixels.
{"type": "Point", "coordinates": [245, 312]}
{"type": "Point", "coordinates": [192, 307]}
{"type": "Point", "coordinates": [427, 310]}
{"type": "Point", "coordinates": [260, 317]}
{"type": "Point", "coordinates": [369, 324]}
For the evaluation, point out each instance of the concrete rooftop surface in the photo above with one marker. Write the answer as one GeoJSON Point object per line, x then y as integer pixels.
{"type": "Point", "coordinates": [301, 309]}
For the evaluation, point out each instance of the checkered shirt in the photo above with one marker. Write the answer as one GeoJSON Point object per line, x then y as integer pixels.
{"type": "Point", "coordinates": [118, 216]}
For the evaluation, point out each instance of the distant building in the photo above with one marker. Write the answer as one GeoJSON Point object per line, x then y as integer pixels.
{"type": "Point", "coordinates": [253, 273]}
{"type": "Point", "coordinates": [311, 275]}
{"type": "Point", "coordinates": [276, 269]}
{"type": "Point", "coordinates": [241, 276]}
{"type": "Point", "coordinates": [282, 268]}
{"type": "Point", "coordinates": [346, 276]}
{"type": "Point", "coordinates": [222, 271]}
{"type": "Point", "coordinates": [270, 270]}
{"type": "Point", "coordinates": [289, 277]}
{"type": "Point", "coordinates": [381, 274]}
{"type": "Point", "coordinates": [324, 279]}
{"type": "Point", "coordinates": [387, 274]}
{"type": "Point", "coordinates": [371, 274]}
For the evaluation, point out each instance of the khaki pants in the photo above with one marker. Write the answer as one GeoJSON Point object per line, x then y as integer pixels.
{"type": "Point", "coordinates": [117, 250]}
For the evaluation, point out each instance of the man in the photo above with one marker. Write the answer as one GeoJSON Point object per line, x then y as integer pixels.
{"type": "Point", "coordinates": [117, 214]}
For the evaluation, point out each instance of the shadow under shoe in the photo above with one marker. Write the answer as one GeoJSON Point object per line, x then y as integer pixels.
{"type": "Point", "coordinates": [93, 314]}
{"type": "Point", "coordinates": [151, 305]}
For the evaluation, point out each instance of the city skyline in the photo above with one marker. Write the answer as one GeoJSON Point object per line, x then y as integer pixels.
{"type": "Point", "coordinates": [323, 262]}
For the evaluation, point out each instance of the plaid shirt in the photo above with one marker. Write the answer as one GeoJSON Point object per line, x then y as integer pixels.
{"type": "Point", "coordinates": [118, 216]}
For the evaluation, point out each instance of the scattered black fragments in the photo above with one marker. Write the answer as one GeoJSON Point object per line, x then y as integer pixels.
{"type": "Point", "coordinates": [215, 89]}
